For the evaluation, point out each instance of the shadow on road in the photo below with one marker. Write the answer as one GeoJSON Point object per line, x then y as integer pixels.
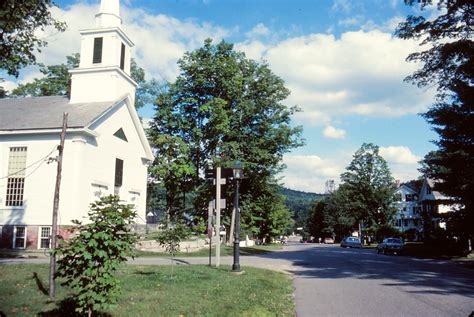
{"type": "Point", "coordinates": [423, 275]}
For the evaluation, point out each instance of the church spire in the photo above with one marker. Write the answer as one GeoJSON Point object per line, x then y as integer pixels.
{"type": "Point", "coordinates": [104, 70]}
{"type": "Point", "coordinates": [109, 14]}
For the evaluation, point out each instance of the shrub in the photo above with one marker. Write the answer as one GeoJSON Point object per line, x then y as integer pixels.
{"type": "Point", "coordinates": [87, 261]}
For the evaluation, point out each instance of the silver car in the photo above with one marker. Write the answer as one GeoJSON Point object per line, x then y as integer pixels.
{"type": "Point", "coordinates": [351, 242]}
{"type": "Point", "coordinates": [391, 245]}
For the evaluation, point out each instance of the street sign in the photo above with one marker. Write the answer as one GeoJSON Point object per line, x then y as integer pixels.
{"type": "Point", "coordinates": [223, 203]}
{"type": "Point", "coordinates": [210, 173]}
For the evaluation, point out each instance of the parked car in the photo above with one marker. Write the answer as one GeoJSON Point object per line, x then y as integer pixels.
{"type": "Point", "coordinates": [351, 242]}
{"type": "Point", "coordinates": [391, 245]}
{"type": "Point", "coordinates": [328, 240]}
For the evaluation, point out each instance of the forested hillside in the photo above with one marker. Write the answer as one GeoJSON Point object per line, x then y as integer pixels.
{"type": "Point", "coordinates": [299, 203]}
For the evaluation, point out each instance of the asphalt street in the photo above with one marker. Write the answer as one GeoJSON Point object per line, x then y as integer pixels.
{"type": "Point", "coordinates": [332, 281]}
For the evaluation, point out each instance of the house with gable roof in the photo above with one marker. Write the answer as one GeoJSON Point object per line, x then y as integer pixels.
{"type": "Point", "coordinates": [106, 150]}
{"type": "Point", "coordinates": [408, 216]}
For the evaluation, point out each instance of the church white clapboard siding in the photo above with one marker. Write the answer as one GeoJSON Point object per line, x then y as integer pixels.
{"type": "Point", "coordinates": [106, 150]}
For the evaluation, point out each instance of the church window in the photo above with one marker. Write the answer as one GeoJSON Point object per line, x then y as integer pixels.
{"type": "Point", "coordinates": [118, 172]}
{"type": "Point", "coordinates": [121, 135]}
{"type": "Point", "coordinates": [122, 57]}
{"type": "Point", "coordinates": [16, 176]}
{"type": "Point", "coordinates": [97, 58]}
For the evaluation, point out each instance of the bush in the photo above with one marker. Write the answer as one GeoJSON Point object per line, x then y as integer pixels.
{"type": "Point", "coordinates": [87, 262]}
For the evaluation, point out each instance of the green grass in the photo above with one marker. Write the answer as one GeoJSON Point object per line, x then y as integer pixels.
{"type": "Point", "coordinates": [153, 291]}
{"type": "Point", "coordinates": [225, 251]}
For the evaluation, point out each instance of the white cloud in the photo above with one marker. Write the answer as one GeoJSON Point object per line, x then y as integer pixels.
{"type": "Point", "coordinates": [398, 155]}
{"type": "Point", "coordinates": [359, 73]}
{"type": "Point", "coordinates": [350, 21]}
{"type": "Point", "coordinates": [333, 133]}
{"type": "Point", "coordinates": [160, 40]}
{"type": "Point", "coordinates": [342, 5]}
{"type": "Point", "coordinates": [310, 172]}
{"type": "Point", "coordinates": [259, 30]}
{"type": "Point", "coordinates": [402, 162]}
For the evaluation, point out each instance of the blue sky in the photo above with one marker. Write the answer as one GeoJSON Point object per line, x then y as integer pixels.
{"type": "Point", "coordinates": [339, 58]}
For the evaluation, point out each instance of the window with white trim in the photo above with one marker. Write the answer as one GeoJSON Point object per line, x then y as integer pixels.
{"type": "Point", "coordinates": [16, 176]}
{"type": "Point", "coordinates": [19, 237]}
{"type": "Point", "coordinates": [44, 238]}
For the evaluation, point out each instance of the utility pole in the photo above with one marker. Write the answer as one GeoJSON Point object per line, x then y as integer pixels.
{"type": "Point", "coordinates": [218, 216]}
{"type": "Point", "coordinates": [54, 229]}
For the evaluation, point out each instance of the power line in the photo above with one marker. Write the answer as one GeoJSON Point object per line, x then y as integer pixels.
{"type": "Point", "coordinates": [34, 163]}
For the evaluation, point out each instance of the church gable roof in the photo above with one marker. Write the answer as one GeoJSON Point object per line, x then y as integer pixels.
{"type": "Point", "coordinates": [38, 113]}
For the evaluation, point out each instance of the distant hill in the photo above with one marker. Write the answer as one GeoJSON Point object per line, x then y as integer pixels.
{"type": "Point", "coordinates": [300, 202]}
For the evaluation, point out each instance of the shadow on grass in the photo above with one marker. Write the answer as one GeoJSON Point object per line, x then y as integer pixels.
{"type": "Point", "coordinates": [39, 283]}
{"type": "Point", "coordinates": [67, 307]}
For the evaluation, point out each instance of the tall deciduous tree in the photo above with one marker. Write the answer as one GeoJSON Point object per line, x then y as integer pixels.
{"type": "Point", "coordinates": [19, 21]}
{"type": "Point", "coordinates": [56, 80]}
{"type": "Point", "coordinates": [224, 107]}
{"type": "Point", "coordinates": [368, 187]}
{"type": "Point", "coordinates": [447, 62]}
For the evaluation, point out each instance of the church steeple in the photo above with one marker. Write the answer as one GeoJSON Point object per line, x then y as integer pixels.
{"type": "Point", "coordinates": [104, 68]}
{"type": "Point", "coordinates": [109, 14]}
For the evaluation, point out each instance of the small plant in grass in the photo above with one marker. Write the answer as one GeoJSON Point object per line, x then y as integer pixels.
{"type": "Point", "coordinates": [171, 237]}
{"type": "Point", "coordinates": [87, 261]}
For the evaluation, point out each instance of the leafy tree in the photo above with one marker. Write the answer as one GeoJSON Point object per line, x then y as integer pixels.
{"type": "Point", "coordinates": [447, 63]}
{"type": "Point", "coordinates": [368, 187]}
{"type": "Point", "coordinates": [19, 21]}
{"type": "Point", "coordinates": [57, 81]}
{"type": "Point", "coordinates": [171, 237]}
{"type": "Point", "coordinates": [87, 262]}
{"type": "Point", "coordinates": [331, 217]}
{"type": "Point", "coordinates": [224, 107]}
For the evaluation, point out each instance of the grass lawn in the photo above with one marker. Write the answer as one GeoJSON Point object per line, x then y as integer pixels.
{"type": "Point", "coordinates": [225, 251]}
{"type": "Point", "coordinates": [152, 291]}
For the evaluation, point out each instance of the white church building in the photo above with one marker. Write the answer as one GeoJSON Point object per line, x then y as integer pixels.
{"type": "Point", "coordinates": [106, 150]}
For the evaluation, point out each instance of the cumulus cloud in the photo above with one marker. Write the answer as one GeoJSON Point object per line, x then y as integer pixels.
{"type": "Point", "coordinates": [259, 30]}
{"type": "Point", "coordinates": [310, 172]}
{"type": "Point", "coordinates": [160, 39]}
{"type": "Point", "coordinates": [333, 133]}
{"type": "Point", "coordinates": [360, 72]}
{"type": "Point", "coordinates": [402, 162]}
{"type": "Point", "coordinates": [398, 155]}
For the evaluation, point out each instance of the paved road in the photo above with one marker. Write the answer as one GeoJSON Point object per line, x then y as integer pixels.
{"type": "Point", "coordinates": [331, 281]}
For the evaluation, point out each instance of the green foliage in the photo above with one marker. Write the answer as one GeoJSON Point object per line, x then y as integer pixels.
{"type": "Point", "coordinates": [88, 261]}
{"type": "Point", "coordinates": [447, 63]}
{"type": "Point", "coordinates": [265, 216]}
{"type": "Point", "coordinates": [172, 235]}
{"type": "Point", "coordinates": [385, 231]}
{"type": "Point", "coordinates": [365, 196]}
{"type": "Point", "coordinates": [368, 187]}
{"type": "Point", "coordinates": [55, 83]}
{"type": "Point", "coordinates": [19, 21]}
{"type": "Point", "coordinates": [223, 107]}
{"type": "Point", "coordinates": [300, 203]}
